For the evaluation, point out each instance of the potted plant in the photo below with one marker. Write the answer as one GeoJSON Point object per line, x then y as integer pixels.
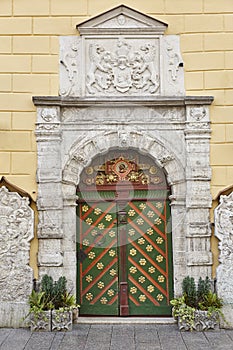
{"type": "Point", "coordinates": [52, 306]}
{"type": "Point", "coordinates": [40, 312]}
{"type": "Point", "coordinates": [198, 308]}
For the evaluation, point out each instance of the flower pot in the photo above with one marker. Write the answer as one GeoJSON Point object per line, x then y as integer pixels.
{"type": "Point", "coordinates": [62, 320]}
{"type": "Point", "coordinates": [202, 322]}
{"type": "Point", "coordinates": [40, 321]}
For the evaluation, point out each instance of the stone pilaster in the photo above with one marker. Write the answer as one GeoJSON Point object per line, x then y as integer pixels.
{"type": "Point", "coordinates": [49, 202]}
{"type": "Point", "coordinates": [198, 198]}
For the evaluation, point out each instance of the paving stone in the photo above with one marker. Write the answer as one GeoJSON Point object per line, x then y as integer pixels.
{"type": "Point", "coordinates": [97, 346]}
{"type": "Point", "coordinates": [195, 340]}
{"type": "Point", "coordinates": [57, 340]}
{"type": "Point", "coordinates": [146, 346]}
{"type": "Point", "coordinates": [72, 341]}
{"type": "Point", "coordinates": [172, 342]}
{"type": "Point", "coordinates": [116, 337]}
{"type": "Point", "coordinates": [4, 333]}
{"type": "Point", "coordinates": [219, 340]}
{"type": "Point", "coordinates": [17, 338]}
{"type": "Point", "coordinates": [39, 341]}
{"type": "Point", "coordinates": [229, 332]}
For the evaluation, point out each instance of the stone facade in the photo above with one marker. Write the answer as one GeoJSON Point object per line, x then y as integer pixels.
{"type": "Point", "coordinates": [224, 232]}
{"type": "Point", "coordinates": [121, 86]}
{"type": "Point", "coordinates": [16, 277]}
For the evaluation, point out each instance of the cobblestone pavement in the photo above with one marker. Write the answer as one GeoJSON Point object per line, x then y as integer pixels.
{"type": "Point", "coordinates": [116, 337]}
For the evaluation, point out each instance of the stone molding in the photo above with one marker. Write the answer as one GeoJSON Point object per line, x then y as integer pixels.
{"type": "Point", "coordinates": [124, 20]}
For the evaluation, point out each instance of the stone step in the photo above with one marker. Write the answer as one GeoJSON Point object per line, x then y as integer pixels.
{"type": "Point", "coordinates": [121, 320]}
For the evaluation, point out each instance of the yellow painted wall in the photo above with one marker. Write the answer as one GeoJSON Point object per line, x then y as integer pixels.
{"type": "Point", "coordinates": [29, 31]}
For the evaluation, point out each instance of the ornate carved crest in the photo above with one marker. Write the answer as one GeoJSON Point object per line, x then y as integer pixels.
{"type": "Point", "coordinates": [126, 168]}
{"type": "Point", "coordinates": [124, 69]}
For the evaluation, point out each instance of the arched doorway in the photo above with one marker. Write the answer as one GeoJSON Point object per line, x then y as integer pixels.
{"type": "Point", "coordinates": [124, 237]}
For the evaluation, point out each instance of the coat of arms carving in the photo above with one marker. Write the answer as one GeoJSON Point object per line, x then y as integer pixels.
{"type": "Point", "coordinates": [123, 69]}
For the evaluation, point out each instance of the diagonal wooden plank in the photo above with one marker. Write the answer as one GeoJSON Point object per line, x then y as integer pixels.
{"type": "Point", "coordinates": [162, 290]}
{"type": "Point", "coordinates": [134, 300]}
{"type": "Point", "coordinates": [99, 276]}
{"type": "Point", "coordinates": [148, 258]}
{"type": "Point", "coordinates": [151, 206]}
{"type": "Point", "coordinates": [150, 223]}
{"type": "Point", "coordinates": [98, 258]}
{"type": "Point", "coordinates": [154, 227]}
{"type": "Point", "coordinates": [144, 291]}
{"type": "Point", "coordinates": [104, 290]}
{"type": "Point", "coordinates": [98, 220]}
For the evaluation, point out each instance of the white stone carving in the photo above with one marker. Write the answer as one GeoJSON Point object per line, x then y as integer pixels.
{"type": "Point", "coordinates": [224, 232]}
{"type": "Point", "coordinates": [172, 71]}
{"type": "Point", "coordinates": [16, 232]}
{"type": "Point", "coordinates": [124, 20]}
{"type": "Point", "coordinates": [119, 53]}
{"type": "Point", "coordinates": [198, 113]}
{"type": "Point", "coordinates": [70, 66]}
{"type": "Point", "coordinates": [49, 114]}
{"type": "Point", "coordinates": [125, 68]}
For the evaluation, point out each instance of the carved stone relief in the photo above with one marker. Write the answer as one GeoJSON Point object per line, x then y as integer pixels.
{"type": "Point", "coordinates": [173, 82]}
{"type": "Point", "coordinates": [70, 66]}
{"type": "Point", "coordinates": [224, 232]}
{"type": "Point", "coordinates": [122, 66]}
{"type": "Point", "coordinates": [141, 61]}
{"type": "Point", "coordinates": [16, 232]}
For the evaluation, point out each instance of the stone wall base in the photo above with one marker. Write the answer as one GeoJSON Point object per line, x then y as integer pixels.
{"type": "Point", "coordinates": [228, 315]}
{"type": "Point", "coordinates": [12, 314]}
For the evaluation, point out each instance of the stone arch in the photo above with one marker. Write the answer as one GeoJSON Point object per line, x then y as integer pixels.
{"type": "Point", "coordinates": [84, 150]}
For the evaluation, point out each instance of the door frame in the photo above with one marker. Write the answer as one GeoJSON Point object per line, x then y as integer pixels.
{"type": "Point", "coordinates": [120, 202]}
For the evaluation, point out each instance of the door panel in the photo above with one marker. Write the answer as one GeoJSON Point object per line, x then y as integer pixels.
{"type": "Point", "coordinates": [134, 256]}
{"type": "Point", "coordinates": [98, 259]}
{"type": "Point", "coordinates": [148, 258]}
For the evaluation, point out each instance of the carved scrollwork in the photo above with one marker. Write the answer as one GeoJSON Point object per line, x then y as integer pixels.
{"type": "Point", "coordinates": [224, 232]}
{"type": "Point", "coordinates": [16, 232]}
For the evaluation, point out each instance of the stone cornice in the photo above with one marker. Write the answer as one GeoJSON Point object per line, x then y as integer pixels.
{"type": "Point", "coordinates": [121, 101]}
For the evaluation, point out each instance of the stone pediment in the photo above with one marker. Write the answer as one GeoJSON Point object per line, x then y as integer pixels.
{"type": "Point", "coordinates": [121, 52]}
{"type": "Point", "coordinates": [121, 20]}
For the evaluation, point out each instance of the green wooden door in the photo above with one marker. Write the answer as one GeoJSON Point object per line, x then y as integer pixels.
{"type": "Point", "coordinates": [149, 260]}
{"type": "Point", "coordinates": [130, 256]}
{"type": "Point", "coordinates": [98, 258]}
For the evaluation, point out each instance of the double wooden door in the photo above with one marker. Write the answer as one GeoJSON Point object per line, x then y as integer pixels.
{"type": "Point", "coordinates": [124, 256]}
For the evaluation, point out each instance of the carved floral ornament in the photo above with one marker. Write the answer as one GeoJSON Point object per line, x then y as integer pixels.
{"type": "Point", "coordinates": [224, 228]}
{"type": "Point", "coordinates": [16, 232]}
{"type": "Point", "coordinates": [124, 169]}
